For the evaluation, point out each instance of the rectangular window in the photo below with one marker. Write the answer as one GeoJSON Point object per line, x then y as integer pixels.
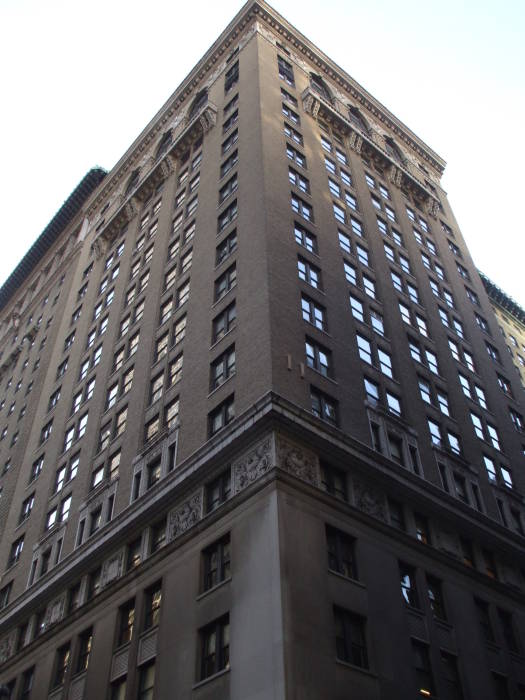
{"type": "Point", "coordinates": [305, 238]}
{"type": "Point", "coordinates": [221, 416]}
{"type": "Point", "coordinates": [309, 273]}
{"type": "Point", "coordinates": [227, 216]}
{"type": "Point", "coordinates": [408, 585]}
{"type": "Point", "coordinates": [313, 313]}
{"type": "Point", "coordinates": [216, 563]}
{"type": "Point", "coordinates": [225, 283]}
{"type": "Point", "coordinates": [341, 552]}
{"type": "Point", "coordinates": [152, 602]}
{"type": "Point", "coordinates": [214, 647]}
{"type": "Point", "coordinates": [300, 207]}
{"type": "Point", "coordinates": [350, 638]}
{"type": "Point", "coordinates": [223, 323]}
{"type": "Point", "coordinates": [295, 156]}
{"type": "Point", "coordinates": [285, 71]}
{"type": "Point", "coordinates": [126, 622]}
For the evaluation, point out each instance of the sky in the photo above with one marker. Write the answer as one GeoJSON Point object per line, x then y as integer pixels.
{"type": "Point", "coordinates": [79, 82]}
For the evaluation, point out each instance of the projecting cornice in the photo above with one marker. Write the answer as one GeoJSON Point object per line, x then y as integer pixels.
{"type": "Point", "coordinates": [262, 18]}
{"type": "Point", "coordinates": [343, 80]}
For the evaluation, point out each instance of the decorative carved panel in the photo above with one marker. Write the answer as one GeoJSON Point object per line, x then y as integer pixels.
{"type": "Point", "coordinates": [368, 499]}
{"type": "Point", "coordinates": [254, 464]}
{"type": "Point", "coordinates": [298, 461]}
{"type": "Point", "coordinates": [112, 568]}
{"type": "Point", "coordinates": [185, 516]}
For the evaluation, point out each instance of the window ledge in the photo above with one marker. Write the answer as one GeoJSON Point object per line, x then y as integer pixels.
{"type": "Point", "coordinates": [214, 588]}
{"type": "Point", "coordinates": [347, 578]}
{"type": "Point", "coordinates": [213, 391]}
{"type": "Point", "coordinates": [211, 678]}
{"type": "Point", "coordinates": [347, 664]}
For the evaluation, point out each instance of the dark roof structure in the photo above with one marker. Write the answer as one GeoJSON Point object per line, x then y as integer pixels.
{"type": "Point", "coordinates": [503, 300]}
{"type": "Point", "coordinates": [52, 231]}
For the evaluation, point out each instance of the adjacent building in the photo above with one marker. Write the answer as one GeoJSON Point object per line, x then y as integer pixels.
{"type": "Point", "coordinates": [511, 318]}
{"type": "Point", "coordinates": [260, 433]}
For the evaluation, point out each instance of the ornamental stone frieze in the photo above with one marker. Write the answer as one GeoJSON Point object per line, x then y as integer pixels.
{"type": "Point", "coordinates": [254, 464]}
{"type": "Point", "coordinates": [369, 499]}
{"type": "Point", "coordinates": [112, 568]}
{"type": "Point", "coordinates": [55, 610]}
{"type": "Point", "coordinates": [185, 516]}
{"type": "Point", "coordinates": [298, 461]}
{"type": "Point", "coordinates": [8, 646]}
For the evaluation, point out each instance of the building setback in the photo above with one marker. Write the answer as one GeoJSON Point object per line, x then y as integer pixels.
{"type": "Point", "coordinates": [260, 433]}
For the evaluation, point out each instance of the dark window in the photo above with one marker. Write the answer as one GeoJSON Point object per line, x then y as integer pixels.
{"type": "Point", "coordinates": [435, 597]}
{"type": "Point", "coordinates": [26, 686]}
{"type": "Point", "coordinates": [218, 491]}
{"type": "Point", "coordinates": [153, 598]}
{"type": "Point", "coordinates": [285, 71]}
{"type": "Point", "coordinates": [509, 632]}
{"type": "Point", "coordinates": [216, 563]}
{"type": "Point", "coordinates": [333, 481]}
{"type": "Point", "coordinates": [408, 585]}
{"type": "Point", "coordinates": [350, 638]}
{"type": "Point", "coordinates": [61, 665]}
{"type": "Point", "coordinates": [215, 647]}
{"type": "Point", "coordinates": [450, 676]}
{"type": "Point", "coordinates": [146, 681]}
{"type": "Point", "coordinates": [422, 668]}
{"type": "Point", "coordinates": [483, 614]}
{"type": "Point", "coordinates": [221, 416]}
{"type": "Point", "coordinates": [84, 650]}
{"type": "Point", "coordinates": [125, 622]}
{"type": "Point", "coordinates": [341, 552]}
{"type": "Point", "coordinates": [231, 77]}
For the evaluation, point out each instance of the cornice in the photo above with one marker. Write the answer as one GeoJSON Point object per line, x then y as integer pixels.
{"type": "Point", "coordinates": [341, 78]}
{"type": "Point", "coordinates": [213, 64]}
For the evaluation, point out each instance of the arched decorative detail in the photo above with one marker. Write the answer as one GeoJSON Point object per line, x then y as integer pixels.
{"type": "Point", "coordinates": [319, 85]}
{"type": "Point", "coordinates": [393, 150]}
{"type": "Point", "coordinates": [198, 103]}
{"type": "Point", "coordinates": [164, 144]}
{"type": "Point", "coordinates": [357, 118]}
{"type": "Point", "coordinates": [133, 181]}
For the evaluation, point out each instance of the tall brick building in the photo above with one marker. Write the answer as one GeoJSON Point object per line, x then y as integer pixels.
{"type": "Point", "coordinates": [260, 433]}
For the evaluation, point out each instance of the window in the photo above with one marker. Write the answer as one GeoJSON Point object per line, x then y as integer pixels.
{"type": "Point", "coordinates": [231, 77]}
{"type": "Point", "coordinates": [222, 368]}
{"type": "Point", "coordinates": [84, 650]}
{"type": "Point", "coordinates": [305, 238]}
{"type": "Point", "coordinates": [183, 294]}
{"type": "Point", "coordinates": [161, 347]}
{"type": "Point", "coordinates": [299, 206]}
{"type": "Point", "coordinates": [393, 403]}
{"type": "Point", "coordinates": [146, 681]}
{"type": "Point", "coordinates": [226, 248]}
{"type": "Point", "coordinates": [227, 216]}
{"type": "Point", "coordinates": [298, 180]}
{"type": "Point", "coordinates": [152, 603]}
{"type": "Point", "coordinates": [356, 307]}
{"type": "Point", "coordinates": [293, 134]}
{"type": "Point", "coordinates": [350, 638]}
{"type": "Point", "coordinates": [323, 406]}
{"type": "Point", "coordinates": [218, 491]}
{"type": "Point", "coordinates": [26, 508]}
{"type": "Point", "coordinates": [225, 283]}
{"type": "Point", "coordinates": [285, 71]}
{"type": "Point", "coordinates": [318, 358]}
{"type": "Point", "coordinates": [341, 552]}
{"type": "Point", "coordinates": [295, 156]}
{"type": "Point", "coordinates": [408, 585]}
{"type": "Point", "coordinates": [214, 647]}
{"type": "Point", "coordinates": [221, 416]}
{"type": "Point", "coordinates": [309, 273]}
{"type": "Point", "coordinates": [120, 422]}
{"type": "Point", "coordinates": [313, 313]}
{"type": "Point", "coordinates": [229, 142]}
{"type": "Point", "coordinates": [216, 563]}
{"type": "Point", "coordinates": [156, 388]}
{"type": "Point", "coordinates": [435, 597]}
{"type": "Point", "coordinates": [227, 189]}
{"type": "Point", "coordinates": [46, 432]}
{"type": "Point", "coordinates": [126, 622]}
{"type": "Point", "coordinates": [229, 163]}
{"type": "Point", "coordinates": [36, 468]}
{"type": "Point", "coordinates": [61, 665]}
{"type": "Point", "coordinates": [493, 436]}
{"type": "Point", "coordinates": [422, 669]}
{"type": "Point", "coordinates": [333, 481]}
{"type": "Point", "coordinates": [482, 611]}
{"type": "Point", "coordinates": [223, 323]}
{"type": "Point", "coordinates": [517, 420]}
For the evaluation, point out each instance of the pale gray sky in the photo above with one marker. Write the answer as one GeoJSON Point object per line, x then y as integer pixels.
{"type": "Point", "coordinates": [79, 82]}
